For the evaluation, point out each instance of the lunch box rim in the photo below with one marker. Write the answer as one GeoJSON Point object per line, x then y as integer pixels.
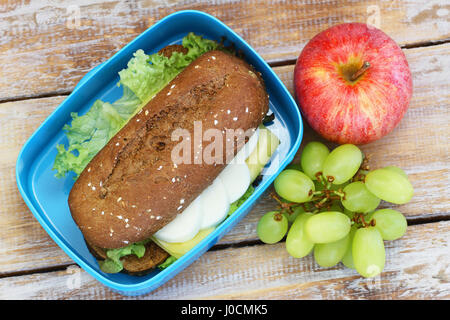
{"type": "Point", "coordinates": [160, 278]}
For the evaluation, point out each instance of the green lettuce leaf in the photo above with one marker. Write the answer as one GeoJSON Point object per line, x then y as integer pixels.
{"type": "Point", "coordinates": [128, 105]}
{"type": "Point", "coordinates": [197, 46]}
{"type": "Point", "coordinates": [112, 264]}
{"type": "Point", "coordinates": [167, 262]}
{"type": "Point", "coordinates": [144, 77]}
{"type": "Point", "coordinates": [87, 135]}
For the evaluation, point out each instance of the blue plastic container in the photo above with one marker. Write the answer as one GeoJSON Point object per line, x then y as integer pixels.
{"type": "Point", "coordinates": [46, 196]}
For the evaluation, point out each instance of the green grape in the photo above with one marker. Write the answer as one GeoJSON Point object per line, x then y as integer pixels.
{"type": "Point", "coordinates": [313, 157]}
{"type": "Point", "coordinates": [298, 244]}
{"type": "Point", "coordinates": [272, 227]}
{"type": "Point", "coordinates": [329, 254]}
{"type": "Point", "coordinates": [390, 223]}
{"type": "Point", "coordinates": [368, 252]}
{"type": "Point", "coordinates": [342, 163]}
{"type": "Point", "coordinates": [347, 259]}
{"type": "Point", "coordinates": [389, 186]}
{"type": "Point", "coordinates": [398, 170]}
{"type": "Point", "coordinates": [294, 186]}
{"type": "Point", "coordinates": [327, 227]}
{"type": "Point", "coordinates": [358, 199]}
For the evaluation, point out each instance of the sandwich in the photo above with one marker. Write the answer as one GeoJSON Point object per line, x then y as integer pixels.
{"type": "Point", "coordinates": [160, 168]}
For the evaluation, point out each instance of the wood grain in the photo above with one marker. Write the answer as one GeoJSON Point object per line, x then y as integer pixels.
{"type": "Point", "coordinates": [419, 145]}
{"type": "Point", "coordinates": [22, 241]}
{"type": "Point", "coordinates": [44, 51]}
{"type": "Point", "coordinates": [272, 274]}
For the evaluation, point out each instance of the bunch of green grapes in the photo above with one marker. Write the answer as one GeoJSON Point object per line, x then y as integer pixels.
{"type": "Point", "coordinates": [328, 205]}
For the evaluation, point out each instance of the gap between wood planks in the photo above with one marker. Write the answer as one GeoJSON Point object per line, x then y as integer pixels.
{"type": "Point", "coordinates": [406, 46]}
{"type": "Point", "coordinates": [37, 96]}
{"type": "Point", "coordinates": [272, 64]}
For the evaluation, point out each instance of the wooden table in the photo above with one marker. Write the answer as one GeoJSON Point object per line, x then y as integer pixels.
{"type": "Point", "coordinates": [47, 46]}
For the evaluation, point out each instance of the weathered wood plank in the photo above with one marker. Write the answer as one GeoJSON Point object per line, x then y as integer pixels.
{"type": "Point", "coordinates": [22, 241]}
{"type": "Point", "coordinates": [273, 274]}
{"type": "Point", "coordinates": [24, 245]}
{"type": "Point", "coordinates": [47, 46]}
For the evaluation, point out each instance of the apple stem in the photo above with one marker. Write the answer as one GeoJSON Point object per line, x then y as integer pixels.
{"type": "Point", "coordinates": [357, 74]}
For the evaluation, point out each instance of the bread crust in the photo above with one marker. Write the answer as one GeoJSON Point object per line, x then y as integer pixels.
{"type": "Point", "coordinates": [132, 188]}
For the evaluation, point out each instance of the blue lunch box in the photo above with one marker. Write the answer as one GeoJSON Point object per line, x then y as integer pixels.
{"type": "Point", "coordinates": [46, 196]}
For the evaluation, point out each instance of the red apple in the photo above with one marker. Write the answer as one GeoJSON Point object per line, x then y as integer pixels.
{"type": "Point", "coordinates": [352, 83]}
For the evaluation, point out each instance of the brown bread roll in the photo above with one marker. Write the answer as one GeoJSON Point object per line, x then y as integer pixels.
{"type": "Point", "coordinates": [132, 188]}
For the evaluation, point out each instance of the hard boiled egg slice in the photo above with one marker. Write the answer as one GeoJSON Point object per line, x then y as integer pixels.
{"type": "Point", "coordinates": [236, 175]}
{"type": "Point", "coordinates": [215, 204]}
{"type": "Point", "coordinates": [236, 179]}
{"type": "Point", "coordinates": [185, 226]}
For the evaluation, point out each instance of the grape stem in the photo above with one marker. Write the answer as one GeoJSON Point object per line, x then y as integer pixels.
{"type": "Point", "coordinates": [326, 182]}
{"type": "Point", "coordinates": [363, 170]}
{"type": "Point", "coordinates": [322, 198]}
{"type": "Point", "coordinates": [320, 203]}
{"type": "Point", "coordinates": [284, 206]}
{"type": "Point", "coordinates": [340, 193]}
{"type": "Point", "coordinates": [289, 207]}
{"type": "Point", "coordinates": [305, 207]}
{"type": "Point", "coordinates": [320, 177]}
{"type": "Point", "coordinates": [359, 219]}
{"type": "Point", "coordinates": [278, 216]}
